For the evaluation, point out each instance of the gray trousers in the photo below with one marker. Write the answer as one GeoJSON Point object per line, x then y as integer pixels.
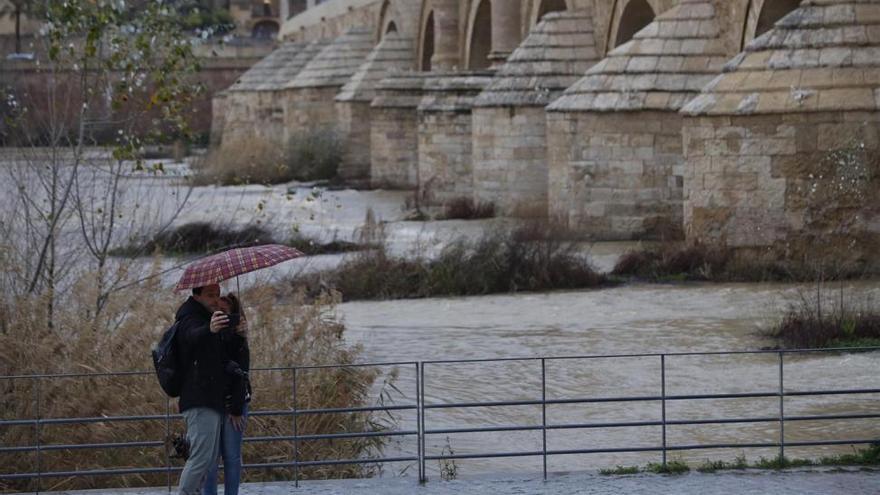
{"type": "Point", "coordinates": [203, 432]}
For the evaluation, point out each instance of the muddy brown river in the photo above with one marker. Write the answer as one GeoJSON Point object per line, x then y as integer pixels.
{"type": "Point", "coordinates": [633, 319]}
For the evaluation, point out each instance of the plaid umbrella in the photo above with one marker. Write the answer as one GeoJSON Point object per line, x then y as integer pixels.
{"type": "Point", "coordinates": [223, 266]}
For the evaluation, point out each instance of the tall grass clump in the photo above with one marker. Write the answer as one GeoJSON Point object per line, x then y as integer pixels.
{"type": "Point", "coordinates": [718, 263]}
{"type": "Point", "coordinates": [311, 155]}
{"type": "Point", "coordinates": [500, 262]}
{"type": "Point", "coordinates": [205, 237]}
{"type": "Point", "coordinates": [828, 318]}
{"type": "Point", "coordinates": [286, 334]}
{"type": "Point", "coordinates": [246, 161]}
{"type": "Point", "coordinates": [315, 154]}
{"type": "Point", "coordinates": [465, 208]}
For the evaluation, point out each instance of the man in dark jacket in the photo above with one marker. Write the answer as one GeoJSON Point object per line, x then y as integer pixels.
{"type": "Point", "coordinates": [202, 397]}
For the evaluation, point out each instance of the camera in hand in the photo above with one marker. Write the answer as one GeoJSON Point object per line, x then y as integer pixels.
{"type": "Point", "coordinates": [234, 320]}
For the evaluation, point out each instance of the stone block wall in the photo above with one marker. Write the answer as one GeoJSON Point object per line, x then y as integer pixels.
{"type": "Point", "coordinates": [394, 138]}
{"type": "Point", "coordinates": [354, 120]}
{"type": "Point", "coordinates": [218, 120]}
{"type": "Point", "coordinates": [253, 115]}
{"type": "Point", "coordinates": [394, 147]}
{"type": "Point", "coordinates": [309, 109]}
{"type": "Point", "coordinates": [802, 183]}
{"type": "Point", "coordinates": [510, 157]}
{"type": "Point", "coordinates": [616, 176]}
{"type": "Point", "coordinates": [445, 136]}
{"type": "Point", "coordinates": [445, 165]}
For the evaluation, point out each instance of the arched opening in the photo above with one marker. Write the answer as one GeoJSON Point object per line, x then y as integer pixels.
{"type": "Point", "coordinates": [481, 37]}
{"type": "Point", "coordinates": [265, 30]}
{"type": "Point", "coordinates": [383, 19]}
{"type": "Point", "coordinates": [392, 28]}
{"type": "Point", "coordinates": [428, 43]}
{"type": "Point", "coordinates": [636, 15]}
{"type": "Point", "coordinates": [772, 11]}
{"type": "Point", "coordinates": [548, 6]}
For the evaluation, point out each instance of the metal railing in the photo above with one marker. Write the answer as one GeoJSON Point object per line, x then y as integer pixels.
{"type": "Point", "coordinates": [422, 431]}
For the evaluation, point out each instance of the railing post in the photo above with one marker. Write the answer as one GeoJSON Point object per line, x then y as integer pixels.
{"type": "Point", "coordinates": [167, 440]}
{"type": "Point", "coordinates": [420, 403]}
{"type": "Point", "coordinates": [420, 453]}
{"type": "Point", "coordinates": [38, 433]}
{"type": "Point", "coordinates": [663, 402]}
{"type": "Point", "coordinates": [781, 412]}
{"type": "Point", "coordinates": [544, 412]}
{"type": "Point", "coordinates": [295, 436]}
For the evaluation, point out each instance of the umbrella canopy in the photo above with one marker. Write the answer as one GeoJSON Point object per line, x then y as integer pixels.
{"type": "Point", "coordinates": [223, 266]}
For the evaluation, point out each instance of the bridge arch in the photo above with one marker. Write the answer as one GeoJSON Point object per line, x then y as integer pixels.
{"type": "Point", "coordinates": [636, 14]}
{"type": "Point", "coordinates": [763, 14]}
{"type": "Point", "coordinates": [426, 43]}
{"type": "Point", "coordinates": [265, 29]}
{"type": "Point", "coordinates": [479, 36]}
{"type": "Point", "coordinates": [385, 19]}
{"type": "Point", "coordinates": [540, 8]}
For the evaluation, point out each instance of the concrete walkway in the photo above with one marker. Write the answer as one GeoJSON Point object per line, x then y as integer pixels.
{"type": "Point", "coordinates": [808, 482]}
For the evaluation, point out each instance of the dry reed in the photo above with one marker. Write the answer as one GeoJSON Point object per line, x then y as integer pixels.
{"type": "Point", "coordinates": [283, 333]}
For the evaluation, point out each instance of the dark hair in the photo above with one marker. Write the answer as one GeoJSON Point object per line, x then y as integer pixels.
{"type": "Point", "coordinates": [197, 291]}
{"type": "Point", "coordinates": [234, 305]}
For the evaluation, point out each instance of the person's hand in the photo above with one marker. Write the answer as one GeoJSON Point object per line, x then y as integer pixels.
{"type": "Point", "coordinates": [219, 321]}
{"type": "Point", "coordinates": [237, 422]}
{"type": "Point", "coordinates": [242, 326]}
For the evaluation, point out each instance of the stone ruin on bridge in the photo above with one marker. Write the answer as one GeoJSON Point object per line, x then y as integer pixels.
{"type": "Point", "coordinates": [753, 123]}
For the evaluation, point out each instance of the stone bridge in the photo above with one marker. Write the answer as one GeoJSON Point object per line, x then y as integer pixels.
{"type": "Point", "coordinates": [749, 122]}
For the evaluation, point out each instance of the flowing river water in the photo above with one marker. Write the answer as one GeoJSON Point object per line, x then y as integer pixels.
{"type": "Point", "coordinates": [631, 319]}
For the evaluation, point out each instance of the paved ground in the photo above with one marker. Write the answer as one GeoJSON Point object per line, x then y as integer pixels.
{"type": "Point", "coordinates": [827, 482]}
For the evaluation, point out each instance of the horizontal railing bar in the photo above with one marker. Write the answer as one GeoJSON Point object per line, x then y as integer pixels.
{"type": "Point", "coordinates": [833, 392]}
{"type": "Point", "coordinates": [647, 355]}
{"type": "Point", "coordinates": [487, 429]}
{"type": "Point", "coordinates": [330, 436]}
{"type": "Point", "coordinates": [495, 455]}
{"type": "Point", "coordinates": [334, 410]}
{"type": "Point", "coordinates": [831, 442]}
{"type": "Point", "coordinates": [99, 419]}
{"type": "Point", "coordinates": [462, 361]}
{"type": "Point", "coordinates": [83, 446]}
{"type": "Point", "coordinates": [833, 416]}
{"type": "Point", "coordinates": [92, 472]}
{"type": "Point", "coordinates": [356, 365]}
{"type": "Point", "coordinates": [290, 464]}
{"type": "Point", "coordinates": [269, 465]}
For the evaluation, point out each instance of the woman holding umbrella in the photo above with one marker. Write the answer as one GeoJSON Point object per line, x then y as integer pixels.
{"type": "Point", "coordinates": [237, 365]}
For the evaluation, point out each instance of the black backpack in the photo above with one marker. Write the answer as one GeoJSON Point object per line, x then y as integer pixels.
{"type": "Point", "coordinates": [166, 360]}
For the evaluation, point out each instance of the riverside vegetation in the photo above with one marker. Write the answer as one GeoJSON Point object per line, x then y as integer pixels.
{"type": "Point", "coordinates": [288, 334]}
{"type": "Point", "coordinates": [530, 258]}
{"type": "Point", "coordinates": [868, 456]}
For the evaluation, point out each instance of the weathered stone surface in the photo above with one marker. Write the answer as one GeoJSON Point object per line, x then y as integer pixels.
{"type": "Point", "coordinates": [445, 167]}
{"type": "Point", "coordinates": [619, 130]}
{"type": "Point", "coordinates": [814, 60]}
{"type": "Point", "coordinates": [509, 142]}
{"type": "Point", "coordinates": [794, 169]}
{"type": "Point", "coordinates": [394, 140]}
{"type": "Point", "coordinates": [665, 64]}
{"type": "Point", "coordinates": [393, 53]}
{"type": "Point", "coordinates": [621, 182]}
